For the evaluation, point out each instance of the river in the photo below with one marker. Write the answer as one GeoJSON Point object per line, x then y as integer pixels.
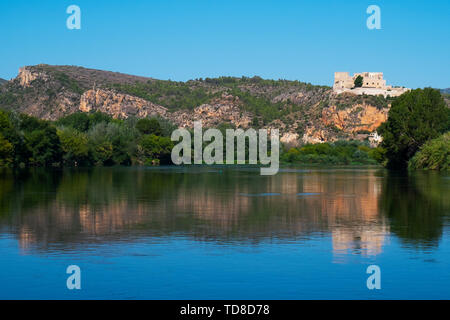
{"type": "Point", "coordinates": [224, 233]}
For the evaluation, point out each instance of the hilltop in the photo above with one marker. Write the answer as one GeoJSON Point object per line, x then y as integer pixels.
{"type": "Point", "coordinates": [3, 81]}
{"type": "Point", "coordinates": [302, 111]}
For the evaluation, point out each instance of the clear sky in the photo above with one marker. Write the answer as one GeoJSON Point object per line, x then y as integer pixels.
{"type": "Point", "coordinates": [181, 40]}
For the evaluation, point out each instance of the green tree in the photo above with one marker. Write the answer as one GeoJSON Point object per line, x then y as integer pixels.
{"type": "Point", "coordinates": [98, 117]}
{"type": "Point", "coordinates": [433, 155]}
{"type": "Point", "coordinates": [149, 126]}
{"type": "Point", "coordinates": [153, 147]}
{"type": "Point", "coordinates": [377, 154]}
{"type": "Point", "coordinates": [102, 153]}
{"type": "Point", "coordinates": [6, 152]}
{"type": "Point", "coordinates": [78, 120]}
{"type": "Point", "coordinates": [45, 147]}
{"type": "Point", "coordinates": [414, 118]}
{"type": "Point", "coordinates": [120, 136]}
{"type": "Point", "coordinates": [75, 145]}
{"type": "Point", "coordinates": [100, 144]}
{"type": "Point", "coordinates": [11, 131]}
{"type": "Point", "coordinates": [358, 82]}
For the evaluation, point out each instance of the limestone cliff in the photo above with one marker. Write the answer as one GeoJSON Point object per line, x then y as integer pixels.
{"type": "Point", "coordinates": [26, 76]}
{"type": "Point", "coordinates": [227, 108]}
{"type": "Point", "coordinates": [119, 105]}
{"type": "Point", "coordinates": [357, 118]}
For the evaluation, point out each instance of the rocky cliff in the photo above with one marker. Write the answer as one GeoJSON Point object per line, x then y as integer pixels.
{"type": "Point", "coordinates": [118, 105]}
{"type": "Point", "coordinates": [301, 111]}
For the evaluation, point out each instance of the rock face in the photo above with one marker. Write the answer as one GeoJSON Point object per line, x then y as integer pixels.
{"type": "Point", "coordinates": [317, 135]}
{"type": "Point", "coordinates": [227, 108]}
{"type": "Point", "coordinates": [354, 122]}
{"type": "Point", "coordinates": [119, 105]}
{"type": "Point", "coordinates": [26, 76]}
{"type": "Point", "coordinates": [355, 119]}
{"type": "Point", "coordinates": [290, 139]}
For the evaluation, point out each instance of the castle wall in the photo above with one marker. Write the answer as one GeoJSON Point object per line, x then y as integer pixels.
{"type": "Point", "coordinates": [373, 83]}
{"type": "Point", "coordinates": [343, 80]}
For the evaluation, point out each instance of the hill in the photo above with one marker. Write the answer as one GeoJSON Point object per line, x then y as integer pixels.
{"type": "Point", "coordinates": [3, 81]}
{"type": "Point", "coordinates": [301, 111]}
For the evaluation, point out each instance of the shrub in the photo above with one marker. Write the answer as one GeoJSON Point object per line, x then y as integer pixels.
{"type": "Point", "coordinates": [433, 155]}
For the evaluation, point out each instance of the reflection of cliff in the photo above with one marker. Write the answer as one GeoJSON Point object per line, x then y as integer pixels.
{"type": "Point", "coordinates": [101, 205]}
{"type": "Point", "coordinates": [367, 239]}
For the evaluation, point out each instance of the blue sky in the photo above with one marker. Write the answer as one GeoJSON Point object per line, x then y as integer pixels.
{"type": "Point", "coordinates": [181, 40]}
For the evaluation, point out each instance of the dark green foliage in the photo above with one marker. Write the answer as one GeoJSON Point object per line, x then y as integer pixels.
{"type": "Point", "coordinates": [75, 145]}
{"type": "Point", "coordinates": [83, 140]}
{"type": "Point", "coordinates": [83, 121]}
{"type": "Point", "coordinates": [344, 101]}
{"type": "Point", "coordinates": [414, 118]}
{"type": "Point", "coordinates": [113, 143]}
{"type": "Point", "coordinates": [6, 152]}
{"type": "Point", "coordinates": [358, 82]}
{"type": "Point", "coordinates": [267, 110]}
{"type": "Point", "coordinates": [166, 126]}
{"type": "Point", "coordinates": [78, 121]}
{"type": "Point", "coordinates": [149, 126]}
{"type": "Point", "coordinates": [339, 153]}
{"type": "Point", "coordinates": [45, 147]}
{"type": "Point", "coordinates": [433, 155]}
{"type": "Point", "coordinates": [155, 148]}
{"type": "Point", "coordinates": [68, 82]}
{"type": "Point", "coordinates": [10, 129]}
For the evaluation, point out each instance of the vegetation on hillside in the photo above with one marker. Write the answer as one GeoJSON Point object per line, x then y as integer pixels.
{"type": "Point", "coordinates": [256, 94]}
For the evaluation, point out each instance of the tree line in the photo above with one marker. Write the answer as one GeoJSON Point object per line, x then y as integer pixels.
{"type": "Point", "coordinates": [82, 139]}
{"type": "Point", "coordinates": [416, 135]}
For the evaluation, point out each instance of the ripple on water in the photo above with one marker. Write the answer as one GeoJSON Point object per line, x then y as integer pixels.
{"type": "Point", "coordinates": [308, 194]}
{"type": "Point", "coordinates": [267, 194]}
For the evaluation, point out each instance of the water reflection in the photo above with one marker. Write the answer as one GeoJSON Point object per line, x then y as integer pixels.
{"type": "Point", "coordinates": [418, 206]}
{"type": "Point", "coordinates": [357, 208]}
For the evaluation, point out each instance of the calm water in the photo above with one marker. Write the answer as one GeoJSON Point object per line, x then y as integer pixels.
{"type": "Point", "coordinates": [220, 233]}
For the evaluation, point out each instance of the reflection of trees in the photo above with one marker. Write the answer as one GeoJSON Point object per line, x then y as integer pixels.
{"type": "Point", "coordinates": [72, 207]}
{"type": "Point", "coordinates": [416, 204]}
{"type": "Point", "coordinates": [25, 189]}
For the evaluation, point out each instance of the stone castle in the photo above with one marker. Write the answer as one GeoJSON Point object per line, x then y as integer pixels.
{"type": "Point", "coordinates": [373, 84]}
